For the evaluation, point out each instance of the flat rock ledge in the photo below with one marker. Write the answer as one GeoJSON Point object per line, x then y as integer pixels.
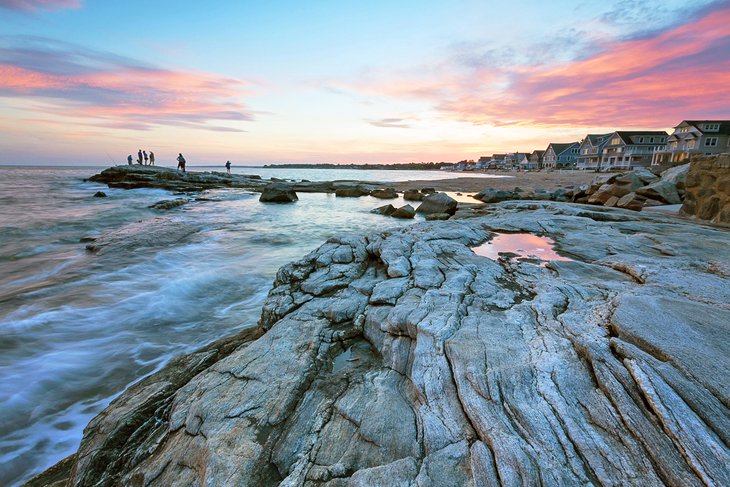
{"type": "Point", "coordinates": [136, 176]}
{"type": "Point", "coordinates": [403, 358]}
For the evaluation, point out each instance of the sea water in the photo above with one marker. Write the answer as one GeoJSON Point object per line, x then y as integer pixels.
{"type": "Point", "coordinates": [76, 328]}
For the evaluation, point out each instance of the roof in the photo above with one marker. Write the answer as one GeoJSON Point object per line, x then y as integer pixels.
{"type": "Point", "coordinates": [626, 135]}
{"type": "Point", "coordinates": [560, 148]}
{"type": "Point", "coordinates": [724, 125]}
{"type": "Point", "coordinates": [538, 152]}
{"type": "Point", "coordinates": [593, 138]}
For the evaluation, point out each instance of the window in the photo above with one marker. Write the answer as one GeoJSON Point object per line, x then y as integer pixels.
{"type": "Point", "coordinates": [691, 144]}
{"type": "Point", "coordinates": [711, 127]}
{"type": "Point", "coordinates": [651, 140]}
{"type": "Point", "coordinates": [616, 141]}
{"type": "Point", "coordinates": [641, 140]}
{"type": "Point", "coordinates": [711, 142]}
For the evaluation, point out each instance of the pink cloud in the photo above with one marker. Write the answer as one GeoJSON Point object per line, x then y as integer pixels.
{"type": "Point", "coordinates": [31, 5]}
{"type": "Point", "coordinates": [653, 81]}
{"type": "Point", "coordinates": [114, 91]}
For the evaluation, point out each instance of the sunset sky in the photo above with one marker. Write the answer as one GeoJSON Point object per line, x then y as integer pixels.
{"type": "Point", "coordinates": [84, 81]}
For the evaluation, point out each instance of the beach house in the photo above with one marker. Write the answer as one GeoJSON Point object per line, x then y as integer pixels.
{"type": "Point", "coordinates": [536, 159]}
{"type": "Point", "coordinates": [694, 137]}
{"type": "Point", "coordinates": [627, 149]}
{"type": "Point", "coordinates": [560, 155]}
{"type": "Point", "coordinates": [591, 151]}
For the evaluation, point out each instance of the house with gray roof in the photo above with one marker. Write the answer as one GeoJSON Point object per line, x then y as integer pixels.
{"type": "Point", "coordinates": [591, 151]}
{"type": "Point", "coordinates": [629, 149]}
{"type": "Point", "coordinates": [694, 137]}
{"type": "Point", "coordinates": [560, 155]}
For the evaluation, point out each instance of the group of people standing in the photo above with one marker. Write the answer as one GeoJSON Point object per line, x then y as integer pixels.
{"type": "Point", "coordinates": [143, 158]}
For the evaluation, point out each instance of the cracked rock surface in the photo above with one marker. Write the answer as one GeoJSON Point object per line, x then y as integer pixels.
{"type": "Point", "coordinates": [403, 358]}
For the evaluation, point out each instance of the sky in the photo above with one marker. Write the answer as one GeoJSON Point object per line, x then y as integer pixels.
{"type": "Point", "coordinates": [88, 82]}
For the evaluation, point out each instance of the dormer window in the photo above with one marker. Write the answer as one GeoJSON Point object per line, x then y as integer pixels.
{"type": "Point", "coordinates": [616, 141]}
{"type": "Point", "coordinates": [711, 127]}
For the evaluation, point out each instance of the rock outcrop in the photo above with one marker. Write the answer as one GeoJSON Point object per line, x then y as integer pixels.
{"type": "Point", "coordinates": [413, 195]}
{"type": "Point", "coordinates": [384, 193]}
{"type": "Point", "coordinates": [437, 203]}
{"type": "Point", "coordinates": [707, 189]}
{"type": "Point", "coordinates": [403, 358]}
{"type": "Point", "coordinates": [405, 211]}
{"type": "Point", "coordinates": [278, 193]}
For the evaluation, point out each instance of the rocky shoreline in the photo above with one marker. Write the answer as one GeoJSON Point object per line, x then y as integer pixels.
{"type": "Point", "coordinates": [403, 358]}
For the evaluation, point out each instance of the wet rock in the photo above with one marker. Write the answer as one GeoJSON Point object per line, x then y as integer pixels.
{"type": "Point", "coordinates": [152, 233]}
{"type": "Point", "coordinates": [384, 210]}
{"type": "Point", "coordinates": [100, 194]}
{"type": "Point", "coordinates": [437, 216]}
{"type": "Point", "coordinates": [385, 193]}
{"type": "Point", "coordinates": [631, 201]}
{"type": "Point", "coordinates": [428, 191]}
{"type": "Point", "coordinates": [169, 204]}
{"type": "Point", "coordinates": [278, 193]}
{"type": "Point", "coordinates": [491, 195]}
{"type": "Point", "coordinates": [437, 203]}
{"type": "Point", "coordinates": [413, 195]}
{"type": "Point", "coordinates": [406, 211]}
{"type": "Point", "coordinates": [404, 357]}
{"type": "Point", "coordinates": [351, 192]}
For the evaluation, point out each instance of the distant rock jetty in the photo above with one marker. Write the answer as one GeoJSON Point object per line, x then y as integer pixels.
{"type": "Point", "coordinates": [404, 358]}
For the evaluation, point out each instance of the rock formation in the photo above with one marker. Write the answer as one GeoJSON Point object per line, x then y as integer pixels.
{"type": "Point", "coordinates": [278, 193]}
{"type": "Point", "coordinates": [405, 211]}
{"type": "Point", "coordinates": [437, 203]}
{"type": "Point", "coordinates": [384, 193]}
{"type": "Point", "coordinates": [707, 189]}
{"type": "Point", "coordinates": [169, 204]}
{"type": "Point", "coordinates": [403, 358]}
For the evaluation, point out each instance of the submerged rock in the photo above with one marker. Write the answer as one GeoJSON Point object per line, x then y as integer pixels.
{"type": "Point", "coordinates": [437, 203]}
{"type": "Point", "coordinates": [278, 193]}
{"type": "Point", "coordinates": [155, 232]}
{"type": "Point", "coordinates": [402, 357]}
{"type": "Point", "coordinates": [351, 192]}
{"type": "Point", "coordinates": [100, 194]}
{"type": "Point", "coordinates": [169, 204]}
{"type": "Point", "coordinates": [385, 193]}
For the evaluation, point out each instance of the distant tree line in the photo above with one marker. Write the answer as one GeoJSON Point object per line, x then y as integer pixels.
{"type": "Point", "coordinates": [413, 166]}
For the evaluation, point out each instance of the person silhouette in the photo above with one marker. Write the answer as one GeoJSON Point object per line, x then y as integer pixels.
{"type": "Point", "coordinates": [139, 157]}
{"type": "Point", "coordinates": [144, 152]}
{"type": "Point", "coordinates": [152, 158]}
{"type": "Point", "coordinates": [180, 162]}
{"type": "Point", "coordinates": [228, 166]}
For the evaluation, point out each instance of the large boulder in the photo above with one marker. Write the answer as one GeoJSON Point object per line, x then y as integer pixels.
{"type": "Point", "coordinates": [661, 190]}
{"type": "Point", "coordinates": [413, 195]}
{"type": "Point", "coordinates": [677, 176]}
{"type": "Point", "coordinates": [384, 193]}
{"type": "Point", "coordinates": [601, 195]}
{"type": "Point", "coordinates": [626, 183]}
{"type": "Point", "coordinates": [601, 180]}
{"type": "Point", "coordinates": [438, 203]}
{"type": "Point", "coordinates": [707, 189]}
{"type": "Point", "coordinates": [278, 193]}
{"type": "Point", "coordinates": [384, 210]}
{"type": "Point", "coordinates": [645, 175]}
{"type": "Point", "coordinates": [405, 211]}
{"type": "Point", "coordinates": [491, 195]}
{"type": "Point", "coordinates": [631, 201]}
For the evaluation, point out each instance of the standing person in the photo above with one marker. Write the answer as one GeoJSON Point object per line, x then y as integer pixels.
{"type": "Point", "coordinates": [180, 162]}
{"type": "Point", "coordinates": [144, 152]}
{"type": "Point", "coordinates": [129, 159]}
{"type": "Point", "coordinates": [228, 166]}
{"type": "Point", "coordinates": [152, 158]}
{"type": "Point", "coordinates": [139, 157]}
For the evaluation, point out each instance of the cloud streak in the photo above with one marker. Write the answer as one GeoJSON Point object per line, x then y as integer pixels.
{"type": "Point", "coordinates": [34, 5]}
{"type": "Point", "coordinates": [654, 79]}
{"type": "Point", "coordinates": [111, 90]}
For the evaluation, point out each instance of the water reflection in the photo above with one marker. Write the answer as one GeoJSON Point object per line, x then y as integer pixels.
{"type": "Point", "coordinates": [521, 245]}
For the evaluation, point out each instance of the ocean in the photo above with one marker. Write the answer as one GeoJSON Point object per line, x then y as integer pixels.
{"type": "Point", "coordinates": [76, 329]}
